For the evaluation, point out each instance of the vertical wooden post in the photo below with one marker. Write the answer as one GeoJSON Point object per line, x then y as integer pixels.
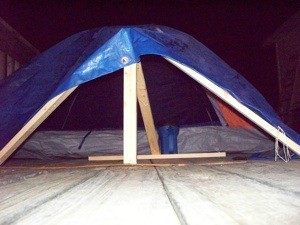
{"type": "Point", "coordinates": [3, 65]}
{"type": "Point", "coordinates": [146, 111]}
{"type": "Point", "coordinates": [130, 115]}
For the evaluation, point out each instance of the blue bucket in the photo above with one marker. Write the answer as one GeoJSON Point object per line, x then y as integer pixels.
{"type": "Point", "coordinates": [168, 139]}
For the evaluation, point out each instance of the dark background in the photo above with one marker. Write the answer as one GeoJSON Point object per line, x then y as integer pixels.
{"type": "Point", "coordinates": [234, 30]}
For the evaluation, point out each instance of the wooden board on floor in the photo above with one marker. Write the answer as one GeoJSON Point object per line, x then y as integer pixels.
{"type": "Point", "coordinates": [259, 192]}
{"type": "Point", "coordinates": [166, 156]}
{"type": "Point", "coordinates": [85, 197]}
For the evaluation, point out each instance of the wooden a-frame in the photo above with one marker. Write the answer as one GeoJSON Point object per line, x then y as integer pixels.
{"type": "Point", "coordinates": [136, 89]}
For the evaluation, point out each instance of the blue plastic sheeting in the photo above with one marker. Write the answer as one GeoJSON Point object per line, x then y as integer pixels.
{"type": "Point", "coordinates": [175, 99]}
{"type": "Point", "coordinates": [94, 53]}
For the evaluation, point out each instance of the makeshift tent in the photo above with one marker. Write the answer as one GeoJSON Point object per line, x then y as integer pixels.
{"type": "Point", "coordinates": [33, 92]}
{"type": "Point", "coordinates": [90, 121]}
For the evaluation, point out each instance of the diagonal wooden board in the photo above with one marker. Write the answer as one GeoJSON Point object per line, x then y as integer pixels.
{"type": "Point", "coordinates": [228, 98]}
{"type": "Point", "coordinates": [145, 107]}
{"type": "Point", "coordinates": [33, 123]}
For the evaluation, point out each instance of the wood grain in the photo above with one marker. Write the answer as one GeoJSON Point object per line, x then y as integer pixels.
{"type": "Point", "coordinates": [33, 123]}
{"type": "Point", "coordinates": [166, 156]}
{"type": "Point", "coordinates": [145, 107]}
{"type": "Point", "coordinates": [130, 115]}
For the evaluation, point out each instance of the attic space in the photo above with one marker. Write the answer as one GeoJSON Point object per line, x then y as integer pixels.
{"type": "Point", "coordinates": [149, 112]}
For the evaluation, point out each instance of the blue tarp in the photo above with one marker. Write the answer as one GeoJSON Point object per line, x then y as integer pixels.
{"type": "Point", "coordinates": [176, 99]}
{"type": "Point", "coordinates": [94, 53]}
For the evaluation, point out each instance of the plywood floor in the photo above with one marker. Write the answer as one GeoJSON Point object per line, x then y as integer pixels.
{"type": "Point", "coordinates": [256, 192]}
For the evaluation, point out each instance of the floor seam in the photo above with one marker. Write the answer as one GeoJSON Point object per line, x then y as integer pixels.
{"type": "Point", "coordinates": [176, 209]}
{"type": "Point", "coordinates": [261, 182]}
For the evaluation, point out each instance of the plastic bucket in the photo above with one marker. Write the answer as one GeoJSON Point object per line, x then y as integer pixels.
{"type": "Point", "coordinates": [168, 139]}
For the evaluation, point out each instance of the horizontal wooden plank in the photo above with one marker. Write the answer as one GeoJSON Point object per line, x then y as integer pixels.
{"type": "Point", "coordinates": [116, 164]}
{"type": "Point", "coordinates": [166, 156]}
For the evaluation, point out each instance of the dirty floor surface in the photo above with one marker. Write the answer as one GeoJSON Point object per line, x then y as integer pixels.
{"type": "Point", "coordinates": [256, 192]}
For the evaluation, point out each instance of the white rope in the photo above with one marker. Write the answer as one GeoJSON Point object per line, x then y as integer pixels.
{"type": "Point", "coordinates": [286, 152]}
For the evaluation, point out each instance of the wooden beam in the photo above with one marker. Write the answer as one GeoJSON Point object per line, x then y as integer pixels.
{"type": "Point", "coordinates": [114, 164]}
{"type": "Point", "coordinates": [17, 65]}
{"type": "Point", "coordinates": [165, 156]}
{"type": "Point", "coordinates": [130, 115]}
{"type": "Point", "coordinates": [7, 27]}
{"type": "Point", "coordinates": [33, 123]}
{"type": "Point", "coordinates": [10, 65]}
{"type": "Point", "coordinates": [15, 45]}
{"type": "Point", "coordinates": [3, 65]}
{"type": "Point", "coordinates": [228, 98]}
{"type": "Point", "coordinates": [145, 107]}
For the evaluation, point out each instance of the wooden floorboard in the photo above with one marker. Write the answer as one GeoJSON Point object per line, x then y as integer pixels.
{"type": "Point", "coordinates": [261, 192]}
{"type": "Point", "coordinates": [213, 196]}
{"type": "Point", "coordinates": [20, 197]}
{"type": "Point", "coordinates": [112, 196]}
{"type": "Point", "coordinates": [281, 175]}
